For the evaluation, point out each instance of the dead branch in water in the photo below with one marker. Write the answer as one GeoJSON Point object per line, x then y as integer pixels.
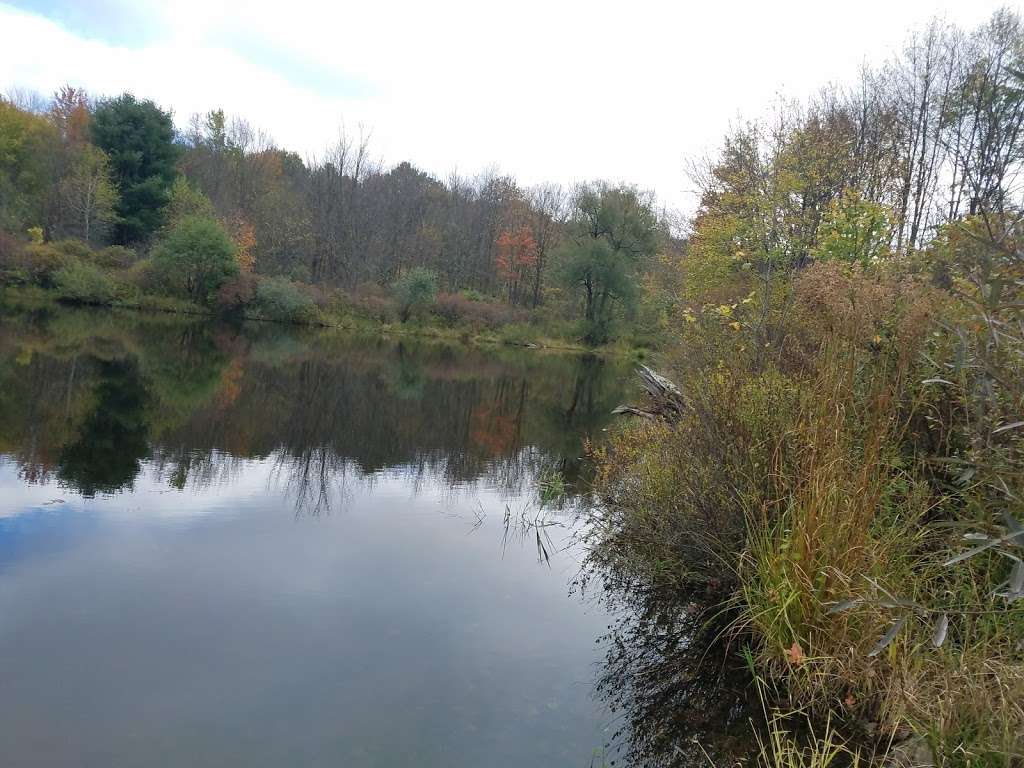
{"type": "Point", "coordinates": [666, 400]}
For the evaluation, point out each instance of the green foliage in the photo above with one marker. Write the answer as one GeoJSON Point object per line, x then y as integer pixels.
{"type": "Point", "coordinates": [551, 487]}
{"type": "Point", "coordinates": [279, 299]}
{"type": "Point", "coordinates": [195, 258]}
{"type": "Point", "coordinates": [855, 231]}
{"type": "Point", "coordinates": [604, 278]}
{"type": "Point", "coordinates": [415, 290]}
{"type": "Point", "coordinates": [85, 283]}
{"type": "Point", "coordinates": [138, 137]}
{"type": "Point", "coordinates": [114, 257]}
{"type": "Point", "coordinates": [845, 474]}
{"type": "Point", "coordinates": [34, 263]}
{"type": "Point", "coordinates": [518, 334]}
{"type": "Point", "coordinates": [613, 231]}
{"type": "Point", "coordinates": [27, 167]}
{"type": "Point", "coordinates": [87, 193]}
{"type": "Point", "coordinates": [185, 200]}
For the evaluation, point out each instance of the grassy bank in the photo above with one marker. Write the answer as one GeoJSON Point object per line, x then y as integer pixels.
{"type": "Point", "coordinates": [850, 433]}
{"type": "Point", "coordinates": [343, 314]}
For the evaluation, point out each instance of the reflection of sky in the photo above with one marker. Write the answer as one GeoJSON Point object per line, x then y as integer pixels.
{"type": "Point", "coordinates": [241, 482]}
{"type": "Point", "coordinates": [39, 530]}
{"type": "Point", "coordinates": [214, 626]}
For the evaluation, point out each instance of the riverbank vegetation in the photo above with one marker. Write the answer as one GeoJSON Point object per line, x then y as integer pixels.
{"type": "Point", "coordinates": [845, 477]}
{"type": "Point", "coordinates": [104, 202]}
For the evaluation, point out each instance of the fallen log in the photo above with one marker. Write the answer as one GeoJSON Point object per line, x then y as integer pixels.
{"type": "Point", "coordinates": [666, 400]}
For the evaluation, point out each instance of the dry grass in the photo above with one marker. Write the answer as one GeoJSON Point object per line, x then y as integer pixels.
{"type": "Point", "coordinates": [815, 475]}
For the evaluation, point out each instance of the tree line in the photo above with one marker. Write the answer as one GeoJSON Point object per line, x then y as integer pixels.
{"type": "Point", "coordinates": [927, 138]}
{"type": "Point", "coordinates": [116, 170]}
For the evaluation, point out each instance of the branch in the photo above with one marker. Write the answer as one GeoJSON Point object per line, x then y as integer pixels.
{"type": "Point", "coordinates": [666, 400]}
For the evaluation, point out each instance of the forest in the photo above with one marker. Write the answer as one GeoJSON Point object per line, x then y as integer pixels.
{"type": "Point", "coordinates": [104, 201]}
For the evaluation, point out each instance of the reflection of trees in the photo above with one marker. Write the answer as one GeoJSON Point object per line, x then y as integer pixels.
{"type": "Point", "coordinates": [206, 396]}
{"type": "Point", "coordinates": [406, 379]}
{"type": "Point", "coordinates": [105, 454]}
{"type": "Point", "coordinates": [313, 479]}
{"type": "Point", "coordinates": [320, 412]}
{"type": "Point", "coordinates": [680, 693]}
{"type": "Point", "coordinates": [181, 467]}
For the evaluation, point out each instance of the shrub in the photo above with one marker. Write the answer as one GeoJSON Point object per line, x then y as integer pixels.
{"type": "Point", "coordinates": [456, 308]}
{"type": "Point", "coordinates": [144, 276]}
{"type": "Point", "coordinates": [383, 309]}
{"type": "Point", "coordinates": [414, 290]}
{"type": "Point", "coordinates": [72, 248]}
{"type": "Point", "coordinates": [196, 258]}
{"type": "Point", "coordinates": [85, 283]}
{"type": "Point", "coordinates": [839, 472]}
{"type": "Point", "coordinates": [238, 292]}
{"type": "Point", "coordinates": [519, 334]}
{"type": "Point", "coordinates": [37, 264]}
{"type": "Point", "coordinates": [280, 299]}
{"type": "Point", "coordinates": [114, 257]}
{"type": "Point", "coordinates": [11, 254]}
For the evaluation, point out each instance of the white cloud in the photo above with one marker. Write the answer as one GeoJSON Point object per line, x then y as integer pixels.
{"type": "Point", "coordinates": [547, 90]}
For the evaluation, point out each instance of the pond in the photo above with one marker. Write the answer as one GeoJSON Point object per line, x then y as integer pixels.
{"type": "Point", "coordinates": [262, 546]}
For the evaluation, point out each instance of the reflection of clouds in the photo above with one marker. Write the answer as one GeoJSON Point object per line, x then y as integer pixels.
{"type": "Point", "coordinates": [151, 493]}
{"type": "Point", "coordinates": [318, 481]}
{"type": "Point", "coordinates": [379, 626]}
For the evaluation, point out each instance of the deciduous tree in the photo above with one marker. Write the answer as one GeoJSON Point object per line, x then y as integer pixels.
{"type": "Point", "coordinates": [196, 258]}
{"type": "Point", "coordinates": [612, 230]}
{"type": "Point", "coordinates": [88, 194]}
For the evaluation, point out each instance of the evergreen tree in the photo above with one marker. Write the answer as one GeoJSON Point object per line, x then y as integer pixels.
{"type": "Point", "coordinates": [138, 137]}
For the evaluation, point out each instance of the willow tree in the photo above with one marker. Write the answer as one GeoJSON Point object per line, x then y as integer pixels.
{"type": "Point", "coordinates": [612, 230]}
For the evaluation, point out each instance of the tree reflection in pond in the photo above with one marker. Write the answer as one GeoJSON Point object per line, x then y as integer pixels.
{"type": "Point", "coordinates": [191, 399]}
{"type": "Point", "coordinates": [680, 692]}
{"type": "Point", "coordinates": [106, 454]}
{"type": "Point", "coordinates": [92, 400]}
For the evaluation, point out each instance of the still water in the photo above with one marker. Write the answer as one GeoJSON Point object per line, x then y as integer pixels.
{"type": "Point", "coordinates": [261, 546]}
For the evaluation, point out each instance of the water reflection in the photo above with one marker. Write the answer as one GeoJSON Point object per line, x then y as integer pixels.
{"type": "Point", "coordinates": [261, 546]}
{"type": "Point", "coordinates": [87, 398]}
{"type": "Point", "coordinates": [374, 637]}
{"type": "Point", "coordinates": [678, 689]}
{"type": "Point", "coordinates": [105, 454]}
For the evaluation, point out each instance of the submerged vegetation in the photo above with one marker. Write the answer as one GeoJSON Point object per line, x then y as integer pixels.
{"type": "Point", "coordinates": [842, 484]}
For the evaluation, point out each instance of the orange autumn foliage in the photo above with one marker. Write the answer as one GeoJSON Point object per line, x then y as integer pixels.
{"type": "Point", "coordinates": [244, 236]}
{"type": "Point", "coordinates": [515, 259]}
{"type": "Point", "coordinates": [70, 113]}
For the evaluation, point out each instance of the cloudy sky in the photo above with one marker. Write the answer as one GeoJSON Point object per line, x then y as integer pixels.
{"type": "Point", "coordinates": [546, 90]}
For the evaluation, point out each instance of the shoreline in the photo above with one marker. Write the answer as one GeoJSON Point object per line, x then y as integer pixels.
{"type": "Point", "coordinates": [27, 299]}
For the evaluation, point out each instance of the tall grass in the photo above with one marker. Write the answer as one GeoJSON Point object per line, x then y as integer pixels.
{"type": "Point", "coordinates": [820, 484]}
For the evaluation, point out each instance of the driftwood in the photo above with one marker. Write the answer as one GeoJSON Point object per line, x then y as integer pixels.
{"type": "Point", "coordinates": [666, 400]}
